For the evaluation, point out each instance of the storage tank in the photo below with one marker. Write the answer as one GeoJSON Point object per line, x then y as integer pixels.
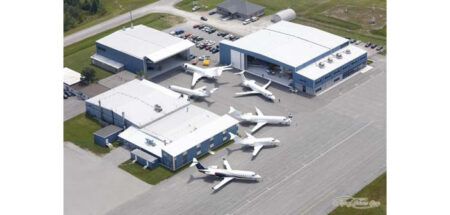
{"type": "Point", "coordinates": [286, 15]}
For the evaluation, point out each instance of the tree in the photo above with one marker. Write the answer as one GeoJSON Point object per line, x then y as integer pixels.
{"type": "Point", "coordinates": [88, 75]}
{"type": "Point", "coordinates": [94, 6]}
{"type": "Point", "coordinates": [140, 75]}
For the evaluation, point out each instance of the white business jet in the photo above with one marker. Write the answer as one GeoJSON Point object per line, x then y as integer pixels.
{"type": "Point", "coordinates": [198, 72]}
{"type": "Point", "coordinates": [200, 92]}
{"type": "Point", "coordinates": [256, 143]}
{"type": "Point", "coordinates": [256, 89]}
{"type": "Point", "coordinates": [260, 119]}
{"type": "Point", "coordinates": [227, 174]}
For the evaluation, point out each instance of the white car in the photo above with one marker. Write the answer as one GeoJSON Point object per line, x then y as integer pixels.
{"type": "Point", "coordinates": [245, 23]}
{"type": "Point", "coordinates": [254, 19]}
{"type": "Point", "coordinates": [226, 18]}
{"type": "Point", "coordinates": [172, 33]}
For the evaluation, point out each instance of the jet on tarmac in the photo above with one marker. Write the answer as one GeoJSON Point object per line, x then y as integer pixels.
{"type": "Point", "coordinates": [256, 89]}
{"type": "Point", "coordinates": [260, 119]}
{"type": "Point", "coordinates": [198, 72]}
{"type": "Point", "coordinates": [256, 143]}
{"type": "Point", "coordinates": [200, 92]}
{"type": "Point", "coordinates": [227, 174]}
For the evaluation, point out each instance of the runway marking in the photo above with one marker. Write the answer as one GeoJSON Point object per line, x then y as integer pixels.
{"type": "Point", "coordinates": [306, 165]}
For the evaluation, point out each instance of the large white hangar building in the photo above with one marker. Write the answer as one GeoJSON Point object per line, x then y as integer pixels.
{"type": "Point", "coordinates": [294, 55]}
{"type": "Point", "coordinates": [141, 48]}
{"type": "Point", "coordinates": [161, 127]}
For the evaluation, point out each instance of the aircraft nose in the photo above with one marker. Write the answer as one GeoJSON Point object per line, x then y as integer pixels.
{"type": "Point", "coordinates": [258, 177]}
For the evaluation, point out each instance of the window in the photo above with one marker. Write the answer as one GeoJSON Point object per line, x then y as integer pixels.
{"type": "Point", "coordinates": [211, 145]}
{"type": "Point", "coordinates": [337, 79]}
{"type": "Point", "coordinates": [211, 139]}
{"type": "Point", "coordinates": [198, 152]}
{"type": "Point", "coordinates": [198, 145]}
{"type": "Point", "coordinates": [100, 48]}
{"type": "Point", "coordinates": [318, 89]}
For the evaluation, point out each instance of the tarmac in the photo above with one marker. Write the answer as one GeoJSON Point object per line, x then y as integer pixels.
{"type": "Point", "coordinates": [335, 146]}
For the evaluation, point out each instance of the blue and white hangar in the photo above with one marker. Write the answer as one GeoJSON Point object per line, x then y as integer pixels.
{"type": "Point", "coordinates": [160, 126]}
{"type": "Point", "coordinates": [297, 56]}
{"type": "Point", "coordinates": [141, 48]}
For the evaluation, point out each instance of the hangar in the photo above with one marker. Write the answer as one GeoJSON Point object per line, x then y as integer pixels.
{"type": "Point", "coordinates": [141, 48]}
{"type": "Point", "coordinates": [161, 123]}
{"type": "Point", "coordinates": [299, 57]}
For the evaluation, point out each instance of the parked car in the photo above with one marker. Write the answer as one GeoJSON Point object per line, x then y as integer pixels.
{"type": "Point", "coordinates": [194, 62]}
{"type": "Point", "coordinates": [226, 18]}
{"type": "Point", "coordinates": [373, 46]}
{"type": "Point", "coordinates": [212, 12]}
{"type": "Point", "coordinates": [380, 48]}
{"type": "Point", "coordinates": [172, 33]}
{"type": "Point", "coordinates": [235, 38]}
{"type": "Point", "coordinates": [368, 44]}
{"type": "Point", "coordinates": [195, 26]}
{"type": "Point", "coordinates": [179, 31]}
{"type": "Point", "coordinates": [254, 19]}
{"type": "Point", "coordinates": [203, 18]}
{"type": "Point", "coordinates": [191, 57]}
{"type": "Point", "coordinates": [195, 8]}
{"type": "Point", "coordinates": [358, 42]}
{"type": "Point", "coordinates": [245, 22]}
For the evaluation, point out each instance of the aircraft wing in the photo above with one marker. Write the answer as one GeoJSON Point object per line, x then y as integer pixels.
{"type": "Point", "coordinates": [226, 164]}
{"type": "Point", "coordinates": [266, 85]}
{"type": "Point", "coordinates": [258, 112]}
{"type": "Point", "coordinates": [256, 149]}
{"type": "Point", "coordinates": [195, 77]}
{"type": "Point", "coordinates": [223, 182]}
{"type": "Point", "coordinates": [258, 126]}
{"type": "Point", "coordinates": [246, 93]}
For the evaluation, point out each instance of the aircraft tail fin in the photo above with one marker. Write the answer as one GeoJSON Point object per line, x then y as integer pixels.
{"type": "Point", "coordinates": [197, 164]}
{"type": "Point", "coordinates": [243, 78]}
{"type": "Point", "coordinates": [234, 113]}
{"type": "Point", "coordinates": [234, 137]}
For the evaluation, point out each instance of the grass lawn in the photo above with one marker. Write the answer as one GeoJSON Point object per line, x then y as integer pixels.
{"type": "Point", "coordinates": [376, 190]}
{"type": "Point", "coordinates": [205, 5]}
{"type": "Point", "coordinates": [79, 130]}
{"type": "Point", "coordinates": [160, 173]}
{"type": "Point", "coordinates": [113, 8]}
{"type": "Point", "coordinates": [77, 56]}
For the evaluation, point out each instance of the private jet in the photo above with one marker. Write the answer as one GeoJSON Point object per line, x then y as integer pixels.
{"type": "Point", "coordinates": [198, 72]}
{"type": "Point", "coordinates": [260, 119]}
{"type": "Point", "coordinates": [227, 174]}
{"type": "Point", "coordinates": [256, 89]}
{"type": "Point", "coordinates": [200, 92]}
{"type": "Point", "coordinates": [256, 143]}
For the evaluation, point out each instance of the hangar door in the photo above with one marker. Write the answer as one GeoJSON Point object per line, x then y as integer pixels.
{"type": "Point", "coordinates": [237, 60]}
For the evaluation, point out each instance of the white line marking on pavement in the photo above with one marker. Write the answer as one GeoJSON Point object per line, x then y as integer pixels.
{"type": "Point", "coordinates": [307, 164]}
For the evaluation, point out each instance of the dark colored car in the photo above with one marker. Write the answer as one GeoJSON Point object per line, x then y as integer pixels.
{"type": "Point", "coordinates": [373, 46]}
{"type": "Point", "coordinates": [379, 48]}
{"type": "Point", "coordinates": [196, 26]}
{"type": "Point", "coordinates": [207, 47]}
{"type": "Point", "coordinates": [368, 44]}
{"type": "Point", "coordinates": [212, 12]}
{"type": "Point", "coordinates": [203, 18]}
{"type": "Point", "coordinates": [215, 51]}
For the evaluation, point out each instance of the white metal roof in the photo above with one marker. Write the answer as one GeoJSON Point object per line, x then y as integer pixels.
{"type": "Point", "coordinates": [71, 77]}
{"type": "Point", "coordinates": [314, 72]}
{"type": "Point", "coordinates": [200, 135]}
{"type": "Point", "coordinates": [142, 140]}
{"type": "Point", "coordinates": [137, 99]}
{"type": "Point", "coordinates": [142, 41]}
{"type": "Point", "coordinates": [289, 43]}
{"type": "Point", "coordinates": [180, 123]}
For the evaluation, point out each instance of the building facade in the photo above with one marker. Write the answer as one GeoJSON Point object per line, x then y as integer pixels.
{"type": "Point", "coordinates": [303, 58]}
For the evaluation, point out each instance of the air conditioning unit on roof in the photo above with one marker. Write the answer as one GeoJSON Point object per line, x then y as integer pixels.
{"type": "Point", "coordinates": [348, 51]}
{"type": "Point", "coordinates": [338, 55]}
{"type": "Point", "coordinates": [330, 60]}
{"type": "Point", "coordinates": [321, 65]}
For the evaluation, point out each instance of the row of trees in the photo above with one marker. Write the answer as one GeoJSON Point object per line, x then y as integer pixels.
{"type": "Point", "coordinates": [75, 11]}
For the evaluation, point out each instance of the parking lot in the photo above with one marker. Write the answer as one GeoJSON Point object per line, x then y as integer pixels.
{"type": "Point", "coordinates": [204, 45]}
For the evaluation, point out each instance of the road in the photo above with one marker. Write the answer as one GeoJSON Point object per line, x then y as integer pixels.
{"type": "Point", "coordinates": [166, 6]}
{"type": "Point", "coordinates": [335, 146]}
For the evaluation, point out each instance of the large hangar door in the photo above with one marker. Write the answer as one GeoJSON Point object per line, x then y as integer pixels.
{"type": "Point", "coordinates": [237, 60]}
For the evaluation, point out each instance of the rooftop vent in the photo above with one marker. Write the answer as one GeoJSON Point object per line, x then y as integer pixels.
{"type": "Point", "coordinates": [149, 142]}
{"type": "Point", "coordinates": [338, 55]}
{"type": "Point", "coordinates": [329, 60]}
{"type": "Point", "coordinates": [321, 65]}
{"type": "Point", "coordinates": [348, 51]}
{"type": "Point", "coordinates": [158, 108]}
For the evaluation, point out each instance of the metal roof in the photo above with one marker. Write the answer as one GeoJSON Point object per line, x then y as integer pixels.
{"type": "Point", "coordinates": [148, 157]}
{"type": "Point", "coordinates": [314, 72]}
{"type": "Point", "coordinates": [200, 135]}
{"type": "Point", "coordinates": [138, 99]}
{"type": "Point", "coordinates": [289, 43]}
{"type": "Point", "coordinates": [71, 77]}
{"type": "Point", "coordinates": [142, 140]}
{"type": "Point", "coordinates": [180, 123]}
{"type": "Point", "coordinates": [108, 131]}
{"type": "Point", "coordinates": [240, 6]}
{"type": "Point", "coordinates": [141, 41]}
